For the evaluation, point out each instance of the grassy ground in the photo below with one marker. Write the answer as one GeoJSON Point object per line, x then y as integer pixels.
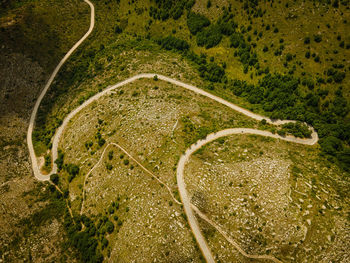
{"type": "Point", "coordinates": [272, 197]}
{"type": "Point", "coordinates": [294, 21]}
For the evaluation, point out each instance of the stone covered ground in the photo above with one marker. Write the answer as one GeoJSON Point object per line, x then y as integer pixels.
{"type": "Point", "coordinates": [154, 122]}
{"type": "Point", "coordinates": [271, 197]}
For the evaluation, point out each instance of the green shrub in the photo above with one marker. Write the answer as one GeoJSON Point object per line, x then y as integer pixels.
{"type": "Point", "coordinates": [196, 22]}
{"type": "Point", "coordinates": [54, 178]}
{"type": "Point", "coordinates": [307, 40]}
{"type": "Point", "coordinates": [73, 170]}
{"type": "Point", "coordinates": [171, 42]}
{"type": "Point", "coordinates": [297, 129]}
{"type": "Point", "coordinates": [209, 37]}
{"type": "Point", "coordinates": [317, 38]}
{"type": "Point", "coordinates": [110, 155]}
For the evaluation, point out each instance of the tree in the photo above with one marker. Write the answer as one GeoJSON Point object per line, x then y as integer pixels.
{"type": "Point", "coordinates": [331, 145]}
{"type": "Point", "coordinates": [209, 37]}
{"type": "Point", "coordinates": [54, 178]}
{"type": "Point", "coordinates": [208, 4]}
{"type": "Point", "coordinates": [72, 170]}
{"type": "Point", "coordinates": [172, 42]}
{"type": "Point", "coordinates": [317, 38]}
{"type": "Point", "coordinates": [118, 29]}
{"type": "Point", "coordinates": [307, 54]}
{"type": "Point", "coordinates": [109, 227]}
{"type": "Point", "coordinates": [307, 40]}
{"type": "Point", "coordinates": [196, 22]}
{"type": "Point", "coordinates": [110, 155]}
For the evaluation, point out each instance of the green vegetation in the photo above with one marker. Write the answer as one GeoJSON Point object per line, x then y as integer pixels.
{"type": "Point", "coordinates": [169, 9]}
{"type": "Point", "coordinates": [172, 42]}
{"type": "Point", "coordinates": [196, 22]}
{"type": "Point", "coordinates": [297, 129]}
{"type": "Point", "coordinates": [54, 178]}
{"type": "Point", "coordinates": [73, 171]}
{"type": "Point", "coordinates": [60, 159]}
{"type": "Point", "coordinates": [209, 37]}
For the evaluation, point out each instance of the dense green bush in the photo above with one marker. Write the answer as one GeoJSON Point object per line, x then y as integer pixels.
{"type": "Point", "coordinates": [297, 129]}
{"type": "Point", "coordinates": [236, 40]}
{"type": "Point", "coordinates": [196, 22]}
{"type": "Point", "coordinates": [59, 160]}
{"type": "Point", "coordinates": [54, 178]}
{"type": "Point", "coordinates": [166, 9]}
{"type": "Point", "coordinates": [209, 37]}
{"type": "Point", "coordinates": [317, 38]}
{"type": "Point", "coordinates": [171, 42]}
{"type": "Point", "coordinates": [73, 171]}
{"type": "Point", "coordinates": [212, 72]}
{"type": "Point", "coordinates": [83, 241]}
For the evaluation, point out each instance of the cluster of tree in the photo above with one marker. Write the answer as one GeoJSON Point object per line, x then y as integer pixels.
{"type": "Point", "coordinates": [212, 72]}
{"type": "Point", "coordinates": [335, 75]}
{"type": "Point", "coordinates": [173, 43]}
{"type": "Point", "coordinates": [85, 241]}
{"type": "Point", "coordinates": [209, 71]}
{"type": "Point", "coordinates": [59, 160]}
{"type": "Point", "coordinates": [297, 129]}
{"type": "Point", "coordinates": [209, 37]}
{"type": "Point", "coordinates": [252, 8]}
{"type": "Point", "coordinates": [101, 141]}
{"type": "Point", "coordinates": [104, 226]}
{"type": "Point", "coordinates": [247, 56]}
{"type": "Point", "coordinates": [281, 97]}
{"type": "Point", "coordinates": [196, 22]}
{"type": "Point", "coordinates": [166, 9]}
{"type": "Point", "coordinates": [72, 170]}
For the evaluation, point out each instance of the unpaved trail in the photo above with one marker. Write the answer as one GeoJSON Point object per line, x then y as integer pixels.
{"type": "Point", "coordinates": [60, 130]}
{"type": "Point", "coordinates": [184, 158]}
{"type": "Point", "coordinates": [36, 168]}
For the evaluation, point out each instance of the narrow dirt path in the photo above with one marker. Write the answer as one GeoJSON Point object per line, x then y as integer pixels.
{"type": "Point", "coordinates": [60, 130]}
{"type": "Point", "coordinates": [36, 168]}
{"type": "Point", "coordinates": [181, 185]}
{"type": "Point", "coordinates": [133, 159]}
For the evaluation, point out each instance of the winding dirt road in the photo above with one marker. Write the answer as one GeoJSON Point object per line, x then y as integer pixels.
{"type": "Point", "coordinates": [35, 165]}
{"type": "Point", "coordinates": [60, 130]}
{"type": "Point", "coordinates": [184, 158]}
